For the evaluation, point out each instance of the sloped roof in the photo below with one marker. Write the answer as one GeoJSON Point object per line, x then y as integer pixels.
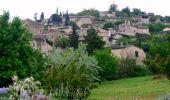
{"type": "Point", "coordinates": [33, 26]}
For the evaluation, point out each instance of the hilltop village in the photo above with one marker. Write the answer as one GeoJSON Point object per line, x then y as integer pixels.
{"type": "Point", "coordinates": [108, 24]}
{"type": "Point", "coordinates": [114, 54]}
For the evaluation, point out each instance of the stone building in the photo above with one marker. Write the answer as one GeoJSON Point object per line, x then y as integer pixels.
{"type": "Point", "coordinates": [131, 30]}
{"type": "Point", "coordinates": [130, 52]}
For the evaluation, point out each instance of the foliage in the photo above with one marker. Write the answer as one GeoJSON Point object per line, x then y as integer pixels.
{"type": "Point", "coordinates": [152, 19]}
{"type": "Point", "coordinates": [90, 12]}
{"type": "Point", "coordinates": [93, 41]}
{"type": "Point", "coordinates": [123, 41]}
{"type": "Point", "coordinates": [62, 42]}
{"type": "Point", "coordinates": [17, 55]}
{"type": "Point", "coordinates": [140, 38]}
{"type": "Point", "coordinates": [71, 23]}
{"type": "Point", "coordinates": [69, 73]}
{"type": "Point", "coordinates": [167, 18]}
{"type": "Point", "coordinates": [20, 88]}
{"type": "Point", "coordinates": [129, 68]}
{"type": "Point", "coordinates": [112, 25]}
{"type": "Point", "coordinates": [138, 88]}
{"type": "Point", "coordinates": [117, 23]}
{"type": "Point", "coordinates": [156, 27]}
{"type": "Point", "coordinates": [56, 19]}
{"type": "Point", "coordinates": [159, 55]}
{"type": "Point", "coordinates": [112, 8]}
{"type": "Point", "coordinates": [67, 19]}
{"type": "Point", "coordinates": [108, 62]}
{"type": "Point", "coordinates": [74, 38]}
{"type": "Point", "coordinates": [108, 25]}
{"type": "Point", "coordinates": [136, 12]}
{"type": "Point", "coordinates": [126, 11]}
{"type": "Point", "coordinates": [42, 16]}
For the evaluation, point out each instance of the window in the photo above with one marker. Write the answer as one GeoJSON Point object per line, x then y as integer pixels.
{"type": "Point", "coordinates": [136, 54]}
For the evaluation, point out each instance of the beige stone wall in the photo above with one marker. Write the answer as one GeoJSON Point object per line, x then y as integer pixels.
{"type": "Point", "coordinates": [33, 26]}
{"type": "Point", "coordinates": [129, 52]}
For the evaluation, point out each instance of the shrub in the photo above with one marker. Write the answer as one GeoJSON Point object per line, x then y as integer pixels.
{"type": "Point", "coordinates": [23, 88]}
{"type": "Point", "coordinates": [70, 73]}
{"type": "Point", "coordinates": [108, 62]}
{"type": "Point", "coordinates": [128, 68]}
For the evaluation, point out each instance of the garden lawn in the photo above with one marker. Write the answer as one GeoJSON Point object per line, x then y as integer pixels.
{"type": "Point", "coordinates": [140, 88]}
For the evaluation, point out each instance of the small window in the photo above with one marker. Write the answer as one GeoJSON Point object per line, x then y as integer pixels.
{"type": "Point", "coordinates": [136, 54]}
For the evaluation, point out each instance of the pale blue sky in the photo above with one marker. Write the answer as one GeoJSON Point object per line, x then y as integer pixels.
{"type": "Point", "coordinates": [27, 8]}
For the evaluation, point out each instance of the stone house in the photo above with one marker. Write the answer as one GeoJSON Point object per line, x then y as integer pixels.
{"type": "Point", "coordinates": [144, 19]}
{"type": "Point", "coordinates": [130, 52]}
{"type": "Point", "coordinates": [41, 33]}
{"type": "Point", "coordinates": [105, 34]}
{"type": "Point", "coordinates": [33, 27]}
{"type": "Point", "coordinates": [131, 30]}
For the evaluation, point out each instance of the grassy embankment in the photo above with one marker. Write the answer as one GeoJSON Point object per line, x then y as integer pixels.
{"type": "Point", "coordinates": [140, 88]}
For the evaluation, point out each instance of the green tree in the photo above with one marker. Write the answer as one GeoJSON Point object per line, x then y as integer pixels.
{"type": "Point", "coordinates": [67, 19]}
{"type": "Point", "coordinates": [17, 56]}
{"type": "Point", "coordinates": [93, 41]}
{"type": "Point", "coordinates": [74, 38]}
{"type": "Point", "coordinates": [42, 16]}
{"type": "Point", "coordinates": [56, 19]}
{"type": "Point", "coordinates": [156, 27]}
{"type": "Point", "coordinates": [112, 8]}
{"type": "Point", "coordinates": [62, 42]}
{"type": "Point", "coordinates": [126, 11]}
{"type": "Point", "coordinates": [90, 12]}
{"type": "Point", "coordinates": [70, 73]}
{"type": "Point", "coordinates": [158, 55]}
{"type": "Point", "coordinates": [108, 62]}
{"type": "Point", "coordinates": [108, 25]}
{"type": "Point", "coordinates": [136, 12]}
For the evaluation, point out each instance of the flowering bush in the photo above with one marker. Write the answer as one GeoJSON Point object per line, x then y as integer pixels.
{"type": "Point", "coordinates": [3, 91]}
{"type": "Point", "coordinates": [24, 88]}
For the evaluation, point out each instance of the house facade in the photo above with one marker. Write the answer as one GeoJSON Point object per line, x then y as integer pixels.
{"type": "Point", "coordinates": [130, 52]}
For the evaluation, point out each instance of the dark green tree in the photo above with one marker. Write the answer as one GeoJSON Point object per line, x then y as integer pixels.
{"type": "Point", "coordinates": [56, 19]}
{"type": "Point", "coordinates": [93, 41]}
{"type": "Point", "coordinates": [158, 54]}
{"type": "Point", "coordinates": [112, 8]}
{"type": "Point", "coordinates": [67, 19]}
{"type": "Point", "coordinates": [156, 27]}
{"type": "Point", "coordinates": [136, 12]}
{"type": "Point", "coordinates": [108, 25]}
{"type": "Point", "coordinates": [17, 56]}
{"type": "Point", "coordinates": [62, 42]}
{"type": "Point", "coordinates": [90, 12]}
{"type": "Point", "coordinates": [42, 16]}
{"type": "Point", "coordinates": [126, 11]}
{"type": "Point", "coordinates": [74, 37]}
{"type": "Point", "coordinates": [108, 62]}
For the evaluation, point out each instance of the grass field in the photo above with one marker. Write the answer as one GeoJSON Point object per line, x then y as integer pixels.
{"type": "Point", "coordinates": [140, 88]}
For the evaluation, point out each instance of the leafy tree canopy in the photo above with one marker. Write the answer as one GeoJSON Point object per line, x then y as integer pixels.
{"type": "Point", "coordinates": [93, 41]}
{"type": "Point", "coordinates": [17, 56]}
{"type": "Point", "coordinates": [90, 12]}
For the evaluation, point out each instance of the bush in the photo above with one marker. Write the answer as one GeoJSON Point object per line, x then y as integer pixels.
{"type": "Point", "coordinates": [24, 88]}
{"type": "Point", "coordinates": [108, 62]}
{"type": "Point", "coordinates": [70, 73]}
{"type": "Point", "coordinates": [128, 68]}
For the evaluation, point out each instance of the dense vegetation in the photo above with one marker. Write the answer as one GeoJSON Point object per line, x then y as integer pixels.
{"type": "Point", "coordinates": [69, 73]}
{"type": "Point", "coordinates": [17, 56]}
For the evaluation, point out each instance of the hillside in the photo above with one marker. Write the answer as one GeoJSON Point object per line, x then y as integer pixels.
{"type": "Point", "coordinates": [140, 88]}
